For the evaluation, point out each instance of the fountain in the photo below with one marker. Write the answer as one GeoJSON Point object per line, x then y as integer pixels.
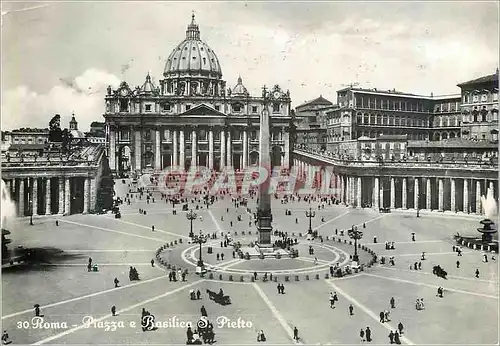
{"type": "Point", "coordinates": [490, 210]}
{"type": "Point", "coordinates": [8, 212]}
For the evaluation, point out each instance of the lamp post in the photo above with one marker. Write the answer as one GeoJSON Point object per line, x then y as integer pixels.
{"type": "Point", "coordinates": [191, 215]}
{"type": "Point", "coordinates": [31, 211]}
{"type": "Point", "coordinates": [356, 235]}
{"type": "Point", "coordinates": [200, 239]}
{"type": "Point", "coordinates": [310, 214]}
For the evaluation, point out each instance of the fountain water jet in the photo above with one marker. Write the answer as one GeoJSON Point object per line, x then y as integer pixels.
{"type": "Point", "coordinates": [8, 205]}
{"type": "Point", "coordinates": [490, 210]}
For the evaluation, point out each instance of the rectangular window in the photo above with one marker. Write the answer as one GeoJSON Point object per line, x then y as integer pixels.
{"type": "Point", "coordinates": [123, 105]}
{"type": "Point", "coordinates": [276, 107]}
{"type": "Point", "coordinates": [188, 107]}
{"type": "Point", "coordinates": [148, 108]}
{"type": "Point", "coordinates": [254, 109]}
{"type": "Point", "coordinates": [237, 108]}
{"type": "Point", "coordinates": [217, 108]}
{"type": "Point", "coordinates": [166, 108]}
{"type": "Point", "coordinates": [484, 98]}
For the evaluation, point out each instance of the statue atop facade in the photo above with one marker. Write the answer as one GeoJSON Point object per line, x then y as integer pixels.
{"type": "Point", "coordinates": [228, 91]}
{"type": "Point", "coordinates": [264, 92]}
{"type": "Point", "coordinates": [109, 89]}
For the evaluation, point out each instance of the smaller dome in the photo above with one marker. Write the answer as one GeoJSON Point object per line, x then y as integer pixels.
{"type": "Point", "coordinates": [148, 86]}
{"type": "Point", "coordinates": [77, 134]}
{"type": "Point", "coordinates": [239, 89]}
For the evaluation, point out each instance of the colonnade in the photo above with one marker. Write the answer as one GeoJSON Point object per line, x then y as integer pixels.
{"type": "Point", "coordinates": [455, 194]}
{"type": "Point", "coordinates": [52, 195]}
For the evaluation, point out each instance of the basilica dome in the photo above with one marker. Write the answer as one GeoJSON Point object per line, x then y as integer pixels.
{"type": "Point", "coordinates": [193, 56]}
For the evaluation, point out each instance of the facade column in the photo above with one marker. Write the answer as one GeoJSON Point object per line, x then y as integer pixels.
{"type": "Point", "coordinates": [229, 150]}
{"type": "Point", "coordinates": [61, 196]}
{"type": "Point", "coordinates": [358, 191]}
{"type": "Point", "coordinates": [194, 141]}
{"type": "Point", "coordinates": [182, 154]}
{"type": "Point", "coordinates": [453, 202]}
{"type": "Point", "coordinates": [286, 138]}
{"type": "Point", "coordinates": [157, 150]}
{"type": "Point", "coordinates": [478, 197]}
{"type": "Point", "coordinates": [175, 154]}
{"type": "Point", "coordinates": [440, 194]}
{"type": "Point", "coordinates": [404, 195]}
{"type": "Point", "coordinates": [138, 150]}
{"type": "Point", "coordinates": [210, 149]}
{"type": "Point", "coordinates": [86, 195]}
{"type": "Point", "coordinates": [222, 148]}
{"type": "Point", "coordinates": [245, 149]}
{"type": "Point", "coordinates": [93, 194]}
{"type": "Point", "coordinates": [20, 200]}
{"type": "Point", "coordinates": [376, 192]}
{"type": "Point", "coordinates": [112, 149]}
{"type": "Point", "coordinates": [466, 196]}
{"type": "Point", "coordinates": [382, 201]}
{"type": "Point", "coordinates": [67, 197]}
{"type": "Point", "coordinates": [34, 196]}
{"type": "Point", "coordinates": [416, 194]}
{"type": "Point", "coordinates": [342, 188]}
{"type": "Point", "coordinates": [348, 190]}
{"type": "Point", "coordinates": [393, 194]}
{"type": "Point", "coordinates": [48, 195]}
{"type": "Point", "coordinates": [428, 194]}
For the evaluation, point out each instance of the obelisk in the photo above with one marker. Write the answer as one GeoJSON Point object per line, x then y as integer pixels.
{"type": "Point", "coordinates": [264, 216]}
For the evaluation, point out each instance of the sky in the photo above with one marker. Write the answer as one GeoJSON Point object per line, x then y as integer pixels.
{"type": "Point", "coordinates": [58, 57]}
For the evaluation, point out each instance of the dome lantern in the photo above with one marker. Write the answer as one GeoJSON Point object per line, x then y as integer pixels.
{"type": "Point", "coordinates": [193, 31]}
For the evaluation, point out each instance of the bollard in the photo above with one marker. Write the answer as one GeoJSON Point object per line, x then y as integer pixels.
{"type": "Point", "coordinates": [275, 279]}
{"type": "Point", "coordinates": [345, 241]}
{"type": "Point", "coordinates": [296, 278]}
{"type": "Point", "coordinates": [307, 277]}
{"type": "Point", "coordinates": [287, 278]}
{"type": "Point", "coordinates": [230, 278]}
{"type": "Point", "coordinates": [171, 244]}
{"type": "Point", "coordinates": [350, 242]}
{"type": "Point", "coordinates": [180, 241]}
{"type": "Point", "coordinates": [211, 276]}
{"type": "Point", "coordinates": [241, 278]}
{"type": "Point", "coordinates": [252, 279]}
{"type": "Point", "coordinates": [338, 240]}
{"type": "Point", "coordinates": [327, 276]}
{"type": "Point", "coordinates": [359, 245]}
{"type": "Point", "coordinates": [220, 276]}
{"type": "Point", "coordinates": [169, 266]}
{"type": "Point", "coordinates": [317, 276]}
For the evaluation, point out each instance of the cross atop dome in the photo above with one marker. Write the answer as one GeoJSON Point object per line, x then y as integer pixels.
{"type": "Point", "coordinates": [193, 31]}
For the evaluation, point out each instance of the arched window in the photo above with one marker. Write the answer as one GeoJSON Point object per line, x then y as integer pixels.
{"type": "Point", "coordinates": [365, 118]}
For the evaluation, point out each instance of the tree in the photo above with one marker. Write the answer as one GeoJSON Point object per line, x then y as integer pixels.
{"type": "Point", "coordinates": [55, 133]}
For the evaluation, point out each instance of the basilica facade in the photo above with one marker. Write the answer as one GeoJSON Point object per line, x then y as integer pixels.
{"type": "Point", "coordinates": [192, 118]}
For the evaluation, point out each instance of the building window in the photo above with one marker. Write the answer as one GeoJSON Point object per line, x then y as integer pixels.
{"type": "Point", "coordinates": [147, 135]}
{"type": "Point", "coordinates": [484, 98]}
{"type": "Point", "coordinates": [385, 120]}
{"type": "Point", "coordinates": [148, 108]}
{"type": "Point", "coordinates": [217, 108]}
{"type": "Point", "coordinates": [124, 135]}
{"type": "Point", "coordinates": [216, 135]}
{"type": "Point", "coordinates": [202, 135]}
{"type": "Point", "coordinates": [187, 136]}
{"type": "Point", "coordinates": [188, 107]}
{"type": "Point", "coordinates": [254, 109]}
{"type": "Point", "coordinates": [475, 98]}
{"type": "Point", "coordinates": [123, 105]}
{"type": "Point", "coordinates": [166, 108]}
{"type": "Point", "coordinates": [237, 107]}
{"type": "Point", "coordinates": [166, 135]}
{"type": "Point", "coordinates": [276, 107]}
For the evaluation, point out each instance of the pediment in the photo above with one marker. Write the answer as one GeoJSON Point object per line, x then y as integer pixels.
{"type": "Point", "coordinates": [203, 109]}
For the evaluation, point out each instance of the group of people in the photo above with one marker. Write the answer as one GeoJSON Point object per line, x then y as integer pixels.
{"type": "Point", "coordinates": [389, 245]}
{"type": "Point", "coordinates": [179, 275]}
{"type": "Point", "coordinates": [133, 274]}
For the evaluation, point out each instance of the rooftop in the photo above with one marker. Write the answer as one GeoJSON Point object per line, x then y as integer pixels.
{"type": "Point", "coordinates": [319, 101]}
{"type": "Point", "coordinates": [492, 78]}
{"type": "Point", "coordinates": [452, 143]}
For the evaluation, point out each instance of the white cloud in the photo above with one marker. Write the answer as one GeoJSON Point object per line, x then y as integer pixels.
{"type": "Point", "coordinates": [83, 95]}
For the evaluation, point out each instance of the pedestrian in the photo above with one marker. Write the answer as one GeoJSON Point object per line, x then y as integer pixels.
{"type": "Point", "coordinates": [183, 275]}
{"type": "Point", "coordinates": [332, 301]}
{"type": "Point", "coordinates": [5, 338]}
{"type": "Point", "coordinates": [459, 251]}
{"type": "Point", "coordinates": [89, 267]}
{"type": "Point", "coordinates": [458, 264]}
{"type": "Point", "coordinates": [396, 339]}
{"type": "Point", "coordinates": [113, 310]}
{"type": "Point", "coordinates": [393, 303]}
{"type": "Point", "coordinates": [413, 237]}
{"type": "Point", "coordinates": [485, 258]}
{"type": "Point", "coordinates": [386, 315]}
{"type": "Point", "coordinates": [37, 310]}
{"type": "Point", "coordinates": [440, 292]}
{"type": "Point", "coordinates": [255, 275]}
{"type": "Point", "coordinates": [391, 337]}
{"type": "Point", "coordinates": [203, 311]}
{"type": "Point", "coordinates": [454, 248]}
{"type": "Point", "coordinates": [415, 266]}
{"type": "Point", "coordinates": [234, 254]}
{"type": "Point", "coordinates": [57, 222]}
{"type": "Point", "coordinates": [362, 335]}
{"type": "Point", "coordinates": [152, 263]}
{"type": "Point", "coordinates": [477, 273]}
{"type": "Point", "coordinates": [422, 306]}
{"type": "Point", "coordinates": [295, 334]}
{"type": "Point", "coordinates": [198, 294]}
{"type": "Point", "coordinates": [368, 334]}
{"type": "Point", "coordinates": [315, 261]}
{"type": "Point", "coordinates": [218, 256]}
{"type": "Point", "coordinates": [351, 310]}
{"type": "Point", "coordinates": [116, 282]}
{"type": "Point", "coordinates": [279, 288]}
{"type": "Point", "coordinates": [382, 319]}
{"type": "Point", "coordinates": [152, 228]}
{"type": "Point", "coordinates": [400, 328]}
{"type": "Point", "coordinates": [222, 256]}
{"type": "Point", "coordinates": [423, 256]}
{"type": "Point", "coordinates": [419, 265]}
{"type": "Point", "coordinates": [374, 239]}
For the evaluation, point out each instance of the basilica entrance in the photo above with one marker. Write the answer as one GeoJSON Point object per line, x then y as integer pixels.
{"type": "Point", "coordinates": [124, 160]}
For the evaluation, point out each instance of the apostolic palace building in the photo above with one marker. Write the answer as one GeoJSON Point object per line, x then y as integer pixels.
{"type": "Point", "coordinates": [192, 118]}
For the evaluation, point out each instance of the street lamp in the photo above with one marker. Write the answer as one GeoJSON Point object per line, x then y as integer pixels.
{"type": "Point", "coordinates": [31, 211]}
{"type": "Point", "coordinates": [310, 214]}
{"type": "Point", "coordinates": [191, 215]}
{"type": "Point", "coordinates": [200, 239]}
{"type": "Point", "coordinates": [356, 235]}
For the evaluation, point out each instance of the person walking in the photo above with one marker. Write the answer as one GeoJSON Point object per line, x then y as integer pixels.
{"type": "Point", "coordinates": [393, 303]}
{"type": "Point", "coordinates": [477, 273]}
{"type": "Point", "coordinates": [458, 264]}
{"type": "Point", "coordinates": [362, 335]}
{"type": "Point", "coordinates": [203, 311]}
{"type": "Point", "coordinates": [400, 328]}
{"type": "Point", "coordinates": [113, 310]}
{"type": "Point", "coordinates": [382, 319]}
{"type": "Point", "coordinates": [351, 310]}
{"type": "Point", "coordinates": [116, 282]}
{"type": "Point", "coordinates": [153, 228]}
{"type": "Point", "coordinates": [396, 339]}
{"type": "Point", "coordinates": [391, 337]}
{"type": "Point", "coordinates": [295, 334]}
{"type": "Point", "coordinates": [368, 334]}
{"type": "Point", "coordinates": [332, 301]}
{"type": "Point", "coordinates": [152, 263]}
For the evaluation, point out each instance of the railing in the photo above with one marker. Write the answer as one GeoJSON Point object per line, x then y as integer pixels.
{"type": "Point", "coordinates": [493, 164]}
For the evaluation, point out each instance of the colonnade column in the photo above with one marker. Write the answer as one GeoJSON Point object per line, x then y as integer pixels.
{"type": "Point", "coordinates": [393, 194]}
{"type": "Point", "coordinates": [453, 202]}
{"type": "Point", "coordinates": [210, 149]}
{"type": "Point", "coordinates": [176, 150]}
{"type": "Point", "coordinates": [358, 191]}
{"type": "Point", "coordinates": [182, 154]}
{"type": "Point", "coordinates": [194, 162]}
{"type": "Point", "coordinates": [440, 194]}
{"type": "Point", "coordinates": [382, 204]}
{"type": "Point", "coordinates": [229, 151]}
{"type": "Point", "coordinates": [93, 194]}
{"type": "Point", "coordinates": [34, 197]}
{"type": "Point", "coordinates": [61, 196]}
{"type": "Point", "coordinates": [157, 150]}
{"type": "Point", "coordinates": [478, 197]}
{"type": "Point", "coordinates": [428, 194]}
{"type": "Point", "coordinates": [342, 188]}
{"type": "Point", "coordinates": [20, 199]}
{"type": "Point", "coordinates": [404, 195]}
{"type": "Point", "coordinates": [466, 196]}
{"type": "Point", "coordinates": [138, 150]}
{"type": "Point", "coordinates": [48, 191]}
{"type": "Point", "coordinates": [222, 148]}
{"type": "Point", "coordinates": [286, 138]}
{"type": "Point", "coordinates": [245, 149]}
{"type": "Point", "coordinates": [376, 192]}
{"type": "Point", "coordinates": [348, 190]}
{"type": "Point", "coordinates": [67, 197]}
{"type": "Point", "coordinates": [86, 195]}
{"type": "Point", "coordinates": [416, 194]}
{"type": "Point", "coordinates": [112, 149]}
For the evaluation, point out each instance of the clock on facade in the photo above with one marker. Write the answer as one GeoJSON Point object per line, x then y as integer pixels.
{"type": "Point", "coordinates": [277, 94]}
{"type": "Point", "coordinates": [124, 92]}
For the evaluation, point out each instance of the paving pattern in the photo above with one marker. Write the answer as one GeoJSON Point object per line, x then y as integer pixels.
{"type": "Point", "coordinates": [68, 293]}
